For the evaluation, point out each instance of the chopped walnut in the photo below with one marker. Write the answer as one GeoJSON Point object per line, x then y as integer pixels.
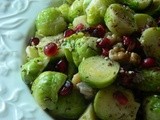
{"type": "Point", "coordinates": [119, 54]}
{"type": "Point", "coordinates": [135, 58]}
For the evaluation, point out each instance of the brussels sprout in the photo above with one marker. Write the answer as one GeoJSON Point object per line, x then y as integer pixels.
{"type": "Point", "coordinates": [50, 22]}
{"type": "Point", "coordinates": [98, 72]}
{"type": "Point", "coordinates": [80, 20]}
{"type": "Point", "coordinates": [81, 47]}
{"type": "Point", "coordinates": [137, 4]}
{"type": "Point", "coordinates": [76, 9]}
{"type": "Point", "coordinates": [150, 42]}
{"type": "Point", "coordinates": [89, 113]}
{"type": "Point", "coordinates": [46, 87]}
{"type": "Point", "coordinates": [152, 107]}
{"type": "Point", "coordinates": [64, 9]}
{"type": "Point", "coordinates": [120, 20]}
{"type": "Point", "coordinates": [84, 47]}
{"type": "Point", "coordinates": [115, 103]}
{"type": "Point", "coordinates": [144, 21]}
{"type": "Point", "coordinates": [154, 8]}
{"type": "Point", "coordinates": [70, 106]}
{"type": "Point", "coordinates": [86, 3]}
{"type": "Point", "coordinates": [33, 68]}
{"type": "Point", "coordinates": [96, 10]}
{"type": "Point", "coordinates": [68, 45]}
{"type": "Point", "coordinates": [148, 80]}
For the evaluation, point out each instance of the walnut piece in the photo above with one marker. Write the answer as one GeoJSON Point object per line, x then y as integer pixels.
{"type": "Point", "coordinates": [135, 58]}
{"type": "Point", "coordinates": [119, 54]}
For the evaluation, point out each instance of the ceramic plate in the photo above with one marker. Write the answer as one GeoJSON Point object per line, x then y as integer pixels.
{"type": "Point", "coordinates": [16, 27]}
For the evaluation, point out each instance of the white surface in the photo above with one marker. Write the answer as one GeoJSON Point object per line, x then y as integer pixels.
{"type": "Point", "coordinates": [16, 26]}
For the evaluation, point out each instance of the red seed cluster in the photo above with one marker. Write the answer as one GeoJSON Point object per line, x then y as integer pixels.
{"type": "Point", "coordinates": [120, 97]}
{"type": "Point", "coordinates": [68, 32]}
{"type": "Point", "coordinates": [51, 49]}
{"type": "Point", "coordinates": [105, 45]}
{"type": "Point", "coordinates": [79, 27]}
{"type": "Point", "coordinates": [61, 66]}
{"type": "Point", "coordinates": [66, 88]}
{"type": "Point", "coordinates": [148, 62]}
{"type": "Point", "coordinates": [34, 41]}
{"type": "Point", "coordinates": [99, 31]}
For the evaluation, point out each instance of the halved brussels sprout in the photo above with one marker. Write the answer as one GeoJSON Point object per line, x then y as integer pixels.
{"type": "Point", "coordinates": [50, 22]}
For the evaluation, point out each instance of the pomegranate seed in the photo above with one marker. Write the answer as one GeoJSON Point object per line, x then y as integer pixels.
{"type": "Point", "coordinates": [105, 52]}
{"type": "Point", "coordinates": [51, 49]}
{"type": "Point", "coordinates": [148, 62]}
{"type": "Point", "coordinates": [104, 43]}
{"type": "Point", "coordinates": [99, 31]}
{"type": "Point", "coordinates": [131, 44]}
{"type": "Point", "coordinates": [66, 89]}
{"type": "Point", "coordinates": [128, 44]}
{"type": "Point", "coordinates": [34, 41]}
{"type": "Point", "coordinates": [79, 27]}
{"type": "Point", "coordinates": [120, 97]}
{"type": "Point", "coordinates": [62, 66]}
{"type": "Point", "coordinates": [68, 32]}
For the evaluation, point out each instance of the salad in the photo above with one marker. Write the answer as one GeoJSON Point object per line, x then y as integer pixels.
{"type": "Point", "coordinates": [96, 60]}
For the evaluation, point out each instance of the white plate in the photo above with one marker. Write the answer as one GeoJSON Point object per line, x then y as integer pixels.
{"type": "Point", "coordinates": [16, 27]}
